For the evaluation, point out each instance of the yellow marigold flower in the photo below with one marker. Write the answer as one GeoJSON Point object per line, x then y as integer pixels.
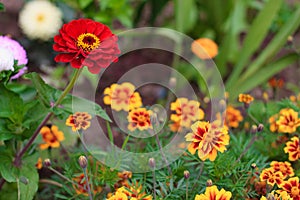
{"type": "Point", "coordinates": [81, 185]}
{"type": "Point", "coordinates": [233, 117]}
{"type": "Point", "coordinates": [293, 149]}
{"type": "Point", "coordinates": [212, 193]}
{"type": "Point", "coordinates": [245, 98]}
{"type": "Point", "coordinates": [122, 97]}
{"type": "Point", "coordinates": [208, 139]}
{"type": "Point", "coordinates": [135, 191]}
{"type": "Point", "coordinates": [288, 121]}
{"type": "Point", "coordinates": [204, 48]}
{"type": "Point", "coordinates": [186, 111]}
{"type": "Point", "coordinates": [271, 176]}
{"type": "Point", "coordinates": [292, 187]}
{"type": "Point", "coordinates": [139, 119]}
{"type": "Point", "coordinates": [283, 195]}
{"type": "Point", "coordinates": [79, 120]}
{"type": "Point", "coordinates": [273, 124]}
{"type": "Point", "coordinates": [39, 163]}
{"type": "Point", "coordinates": [284, 167]}
{"type": "Point", "coordinates": [51, 136]}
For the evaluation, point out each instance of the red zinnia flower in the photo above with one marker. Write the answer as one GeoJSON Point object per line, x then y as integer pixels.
{"type": "Point", "coordinates": [84, 42]}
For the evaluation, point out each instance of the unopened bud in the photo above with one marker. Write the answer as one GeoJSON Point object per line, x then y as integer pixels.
{"type": "Point", "coordinates": [186, 174]}
{"type": "Point", "coordinates": [152, 163]}
{"type": "Point", "coordinates": [209, 183]}
{"type": "Point", "coordinates": [254, 129]}
{"type": "Point", "coordinates": [253, 165]}
{"type": "Point", "coordinates": [47, 162]}
{"type": "Point", "coordinates": [82, 162]}
{"type": "Point", "coordinates": [290, 38]}
{"type": "Point", "coordinates": [260, 127]}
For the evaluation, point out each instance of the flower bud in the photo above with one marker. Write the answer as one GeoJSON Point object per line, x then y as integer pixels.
{"type": "Point", "coordinates": [82, 162]}
{"type": "Point", "coordinates": [152, 163]}
{"type": "Point", "coordinates": [209, 183]}
{"type": "Point", "coordinates": [47, 162]}
{"type": "Point", "coordinates": [260, 127]}
{"type": "Point", "coordinates": [253, 165]}
{"type": "Point", "coordinates": [186, 174]}
{"type": "Point", "coordinates": [254, 129]}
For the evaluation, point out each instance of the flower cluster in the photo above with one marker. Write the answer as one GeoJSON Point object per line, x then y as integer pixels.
{"type": "Point", "coordinates": [213, 193]}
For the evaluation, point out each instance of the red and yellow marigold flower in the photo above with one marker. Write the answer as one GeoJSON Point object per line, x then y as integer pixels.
{"type": "Point", "coordinates": [122, 97]}
{"type": "Point", "coordinates": [204, 48]}
{"type": "Point", "coordinates": [208, 139]}
{"type": "Point", "coordinates": [272, 122]}
{"type": "Point", "coordinates": [212, 193]}
{"type": "Point", "coordinates": [186, 111]}
{"type": "Point", "coordinates": [271, 176]}
{"type": "Point", "coordinates": [85, 42]}
{"type": "Point", "coordinates": [81, 185]}
{"type": "Point", "coordinates": [245, 98]}
{"type": "Point", "coordinates": [135, 192]}
{"type": "Point", "coordinates": [51, 136]}
{"type": "Point", "coordinates": [284, 167]}
{"type": "Point", "coordinates": [139, 119]}
{"type": "Point", "coordinates": [288, 121]}
{"type": "Point", "coordinates": [293, 149]}
{"type": "Point", "coordinates": [233, 117]}
{"type": "Point", "coordinates": [39, 163]}
{"type": "Point", "coordinates": [79, 120]}
{"type": "Point", "coordinates": [283, 195]}
{"type": "Point", "coordinates": [292, 187]}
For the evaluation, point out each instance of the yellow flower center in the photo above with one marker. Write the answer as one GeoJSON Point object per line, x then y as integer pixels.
{"type": "Point", "coordinates": [295, 192]}
{"type": "Point", "coordinates": [87, 42]}
{"type": "Point", "coordinates": [142, 118]}
{"type": "Point", "coordinates": [291, 123]}
{"type": "Point", "coordinates": [40, 17]}
{"type": "Point", "coordinates": [185, 110]}
{"type": "Point", "coordinates": [123, 95]}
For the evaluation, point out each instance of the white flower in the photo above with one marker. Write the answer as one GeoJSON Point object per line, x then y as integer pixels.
{"type": "Point", "coordinates": [6, 60]}
{"type": "Point", "coordinates": [40, 19]}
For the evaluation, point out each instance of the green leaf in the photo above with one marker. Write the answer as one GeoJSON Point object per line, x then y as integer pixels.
{"type": "Point", "coordinates": [84, 3]}
{"type": "Point", "coordinates": [5, 134]}
{"type": "Point", "coordinates": [2, 7]}
{"type": "Point", "coordinates": [185, 15]}
{"type": "Point", "coordinates": [8, 171]}
{"type": "Point", "coordinates": [254, 38]}
{"type": "Point", "coordinates": [30, 175]}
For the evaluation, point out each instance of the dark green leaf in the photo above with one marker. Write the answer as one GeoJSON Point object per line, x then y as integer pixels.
{"type": "Point", "coordinates": [2, 6]}
{"type": "Point", "coordinates": [29, 173]}
{"type": "Point", "coordinates": [8, 171]}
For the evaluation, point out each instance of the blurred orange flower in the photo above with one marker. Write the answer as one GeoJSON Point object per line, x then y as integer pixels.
{"type": "Point", "coordinates": [204, 48]}
{"type": "Point", "coordinates": [293, 149]}
{"type": "Point", "coordinates": [139, 119]}
{"type": "Point", "coordinates": [51, 136]}
{"type": "Point", "coordinates": [81, 185]}
{"type": "Point", "coordinates": [273, 124]}
{"type": "Point", "coordinates": [245, 98]}
{"type": "Point", "coordinates": [79, 120]}
{"type": "Point", "coordinates": [39, 163]}
{"type": "Point", "coordinates": [233, 117]}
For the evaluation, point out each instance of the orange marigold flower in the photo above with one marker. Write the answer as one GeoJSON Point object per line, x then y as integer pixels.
{"type": "Point", "coordinates": [273, 124]}
{"type": "Point", "coordinates": [135, 192]}
{"type": "Point", "coordinates": [175, 126]}
{"type": "Point", "coordinates": [208, 139]}
{"type": "Point", "coordinates": [51, 136]}
{"type": "Point", "coordinates": [284, 167]}
{"type": "Point", "coordinates": [186, 111]}
{"type": "Point", "coordinates": [204, 48]}
{"type": "Point", "coordinates": [277, 196]}
{"type": "Point", "coordinates": [271, 176]}
{"type": "Point", "coordinates": [139, 119]}
{"type": "Point", "coordinates": [79, 120]}
{"type": "Point", "coordinates": [288, 121]}
{"type": "Point", "coordinates": [293, 149]}
{"type": "Point", "coordinates": [212, 193]}
{"type": "Point", "coordinates": [39, 163]}
{"type": "Point", "coordinates": [81, 185]}
{"type": "Point", "coordinates": [245, 98]}
{"type": "Point", "coordinates": [233, 117]}
{"type": "Point", "coordinates": [292, 187]}
{"type": "Point", "coordinates": [276, 83]}
{"type": "Point", "coordinates": [122, 97]}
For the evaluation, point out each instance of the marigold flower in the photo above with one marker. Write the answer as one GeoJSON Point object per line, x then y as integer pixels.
{"type": "Point", "coordinates": [233, 117]}
{"type": "Point", "coordinates": [284, 167]}
{"type": "Point", "coordinates": [272, 122]}
{"type": "Point", "coordinates": [276, 83]}
{"type": "Point", "coordinates": [204, 48]}
{"type": "Point", "coordinates": [271, 176]}
{"type": "Point", "coordinates": [277, 196]}
{"type": "Point", "coordinates": [186, 111]}
{"type": "Point", "coordinates": [135, 191]}
{"type": "Point", "coordinates": [125, 174]}
{"type": "Point", "coordinates": [81, 185]}
{"type": "Point", "coordinates": [79, 120]}
{"type": "Point", "coordinates": [122, 97]}
{"type": "Point", "coordinates": [40, 20]}
{"type": "Point", "coordinates": [293, 149]}
{"type": "Point", "coordinates": [208, 139]}
{"type": "Point", "coordinates": [245, 98]}
{"type": "Point", "coordinates": [51, 136]}
{"type": "Point", "coordinates": [292, 187]}
{"type": "Point", "coordinates": [39, 163]}
{"type": "Point", "coordinates": [139, 118]}
{"type": "Point", "coordinates": [175, 126]}
{"type": "Point", "coordinates": [84, 42]}
{"type": "Point", "coordinates": [212, 193]}
{"type": "Point", "coordinates": [288, 121]}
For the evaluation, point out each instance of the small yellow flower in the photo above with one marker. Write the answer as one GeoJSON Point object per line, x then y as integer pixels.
{"type": "Point", "coordinates": [51, 136]}
{"type": "Point", "coordinates": [245, 98]}
{"type": "Point", "coordinates": [293, 149]}
{"type": "Point", "coordinates": [204, 48]}
{"type": "Point", "coordinates": [271, 176]}
{"type": "Point", "coordinates": [122, 97]}
{"type": "Point", "coordinates": [79, 120]}
{"type": "Point", "coordinates": [212, 193]}
{"type": "Point", "coordinates": [139, 119]}
{"type": "Point", "coordinates": [288, 121]}
{"type": "Point", "coordinates": [186, 112]}
{"type": "Point", "coordinates": [39, 163]}
{"type": "Point", "coordinates": [208, 139]}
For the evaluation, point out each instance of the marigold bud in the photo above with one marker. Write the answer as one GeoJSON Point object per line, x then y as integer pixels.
{"type": "Point", "coordinates": [253, 165]}
{"type": "Point", "coordinates": [152, 163]}
{"type": "Point", "coordinates": [254, 129]}
{"type": "Point", "coordinates": [47, 162]}
{"type": "Point", "coordinates": [186, 174]}
{"type": "Point", "coordinates": [82, 162]}
{"type": "Point", "coordinates": [260, 127]}
{"type": "Point", "coordinates": [209, 183]}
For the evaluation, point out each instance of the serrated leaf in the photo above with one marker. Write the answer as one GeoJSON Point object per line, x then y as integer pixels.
{"type": "Point", "coordinates": [30, 173]}
{"type": "Point", "coordinates": [8, 171]}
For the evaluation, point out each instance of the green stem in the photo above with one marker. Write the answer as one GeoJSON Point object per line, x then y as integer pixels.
{"type": "Point", "coordinates": [187, 189]}
{"type": "Point", "coordinates": [88, 184]}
